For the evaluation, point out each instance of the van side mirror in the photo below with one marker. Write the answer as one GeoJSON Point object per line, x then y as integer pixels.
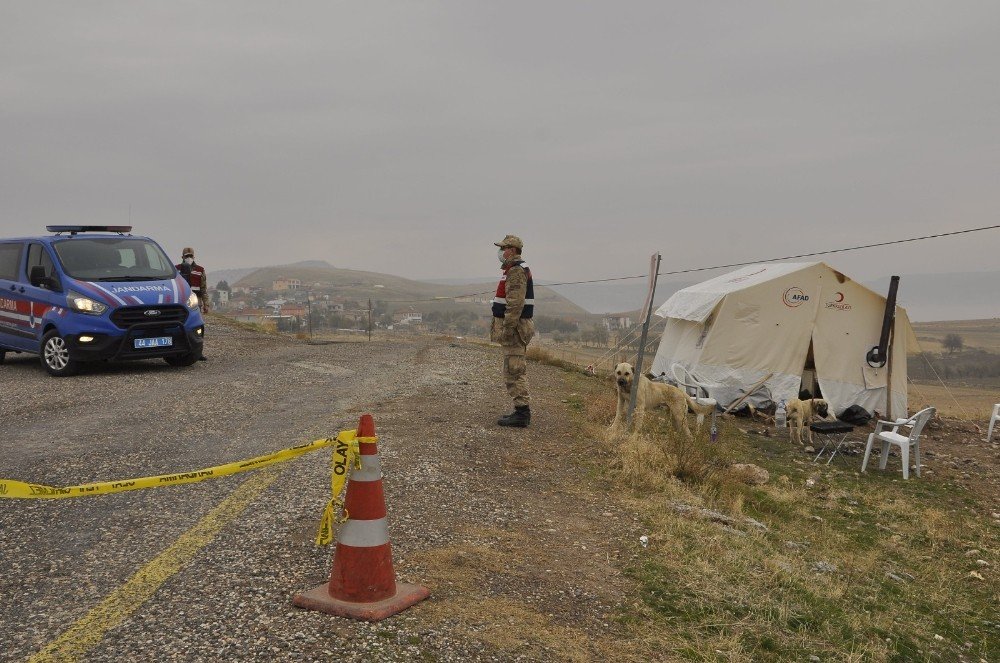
{"type": "Point", "coordinates": [38, 279]}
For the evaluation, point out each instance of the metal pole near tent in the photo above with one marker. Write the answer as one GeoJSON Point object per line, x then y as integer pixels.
{"type": "Point", "coordinates": [309, 305]}
{"type": "Point", "coordinates": [881, 354]}
{"type": "Point", "coordinates": [888, 373]}
{"type": "Point", "coordinates": [646, 312]}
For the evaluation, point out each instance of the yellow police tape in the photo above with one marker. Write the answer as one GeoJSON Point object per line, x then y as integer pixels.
{"type": "Point", "coordinates": [345, 456]}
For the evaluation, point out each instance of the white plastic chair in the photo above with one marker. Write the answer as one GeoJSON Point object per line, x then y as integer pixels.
{"type": "Point", "coordinates": [692, 385]}
{"type": "Point", "coordinates": [689, 382]}
{"type": "Point", "coordinates": [993, 420]}
{"type": "Point", "coordinates": [904, 442]}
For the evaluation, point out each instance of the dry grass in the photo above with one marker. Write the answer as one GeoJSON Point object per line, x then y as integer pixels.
{"type": "Point", "coordinates": [957, 402]}
{"type": "Point", "coordinates": [461, 577]}
{"type": "Point", "coordinates": [514, 626]}
{"type": "Point", "coordinates": [649, 459]}
{"type": "Point", "coordinates": [642, 464]}
{"type": "Point", "coordinates": [227, 321]}
{"type": "Point", "coordinates": [546, 356]}
{"type": "Point", "coordinates": [706, 593]}
{"type": "Point", "coordinates": [600, 406]}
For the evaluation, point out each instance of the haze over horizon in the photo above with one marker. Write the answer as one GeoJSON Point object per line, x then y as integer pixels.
{"type": "Point", "coordinates": [406, 138]}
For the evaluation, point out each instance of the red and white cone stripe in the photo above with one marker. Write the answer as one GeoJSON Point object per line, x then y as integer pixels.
{"type": "Point", "coordinates": [363, 569]}
{"type": "Point", "coordinates": [363, 583]}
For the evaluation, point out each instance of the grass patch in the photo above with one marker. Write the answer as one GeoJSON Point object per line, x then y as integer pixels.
{"type": "Point", "coordinates": [851, 567]}
{"type": "Point", "coordinates": [545, 356]}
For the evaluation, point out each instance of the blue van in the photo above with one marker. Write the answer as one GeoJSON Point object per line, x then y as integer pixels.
{"type": "Point", "coordinates": [93, 293]}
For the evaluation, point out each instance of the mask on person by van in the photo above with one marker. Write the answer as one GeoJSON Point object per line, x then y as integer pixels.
{"type": "Point", "coordinates": [188, 261]}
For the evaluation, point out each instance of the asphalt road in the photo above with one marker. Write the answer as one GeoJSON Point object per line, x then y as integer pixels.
{"type": "Point", "coordinates": [500, 524]}
{"type": "Point", "coordinates": [256, 394]}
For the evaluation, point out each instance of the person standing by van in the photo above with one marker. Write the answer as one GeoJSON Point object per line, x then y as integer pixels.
{"type": "Point", "coordinates": [195, 275]}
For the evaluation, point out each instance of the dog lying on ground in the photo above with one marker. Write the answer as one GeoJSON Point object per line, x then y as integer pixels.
{"type": "Point", "coordinates": [654, 394]}
{"type": "Point", "coordinates": [802, 412]}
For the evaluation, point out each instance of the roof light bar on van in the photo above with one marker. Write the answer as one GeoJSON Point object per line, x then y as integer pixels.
{"type": "Point", "coordinates": [72, 230]}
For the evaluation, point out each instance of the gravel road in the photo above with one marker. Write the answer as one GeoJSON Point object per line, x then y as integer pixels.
{"type": "Point", "coordinates": [520, 548]}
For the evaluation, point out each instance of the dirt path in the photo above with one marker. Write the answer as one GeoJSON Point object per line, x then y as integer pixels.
{"type": "Point", "coordinates": [519, 545]}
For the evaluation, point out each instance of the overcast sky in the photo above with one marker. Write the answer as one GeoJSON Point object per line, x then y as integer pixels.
{"type": "Point", "coordinates": [407, 137]}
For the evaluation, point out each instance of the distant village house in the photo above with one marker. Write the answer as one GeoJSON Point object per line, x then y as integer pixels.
{"type": "Point", "coordinates": [617, 322]}
{"type": "Point", "coordinates": [282, 283]}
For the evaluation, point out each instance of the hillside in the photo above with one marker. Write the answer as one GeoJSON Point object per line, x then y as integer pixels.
{"type": "Point", "coordinates": [975, 334]}
{"type": "Point", "coordinates": [399, 292]}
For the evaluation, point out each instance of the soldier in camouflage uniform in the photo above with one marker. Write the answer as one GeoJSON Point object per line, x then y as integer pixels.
{"type": "Point", "coordinates": [513, 328]}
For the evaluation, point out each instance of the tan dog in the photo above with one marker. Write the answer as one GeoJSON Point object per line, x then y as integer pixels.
{"type": "Point", "coordinates": [802, 413]}
{"type": "Point", "coordinates": [654, 394]}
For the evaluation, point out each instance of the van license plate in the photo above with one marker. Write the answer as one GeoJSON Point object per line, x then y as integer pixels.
{"type": "Point", "coordinates": [157, 342]}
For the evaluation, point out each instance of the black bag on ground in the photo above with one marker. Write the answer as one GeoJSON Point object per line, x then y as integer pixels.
{"type": "Point", "coordinates": [855, 415]}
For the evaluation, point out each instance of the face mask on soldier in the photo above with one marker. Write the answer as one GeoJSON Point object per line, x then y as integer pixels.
{"type": "Point", "coordinates": [500, 255]}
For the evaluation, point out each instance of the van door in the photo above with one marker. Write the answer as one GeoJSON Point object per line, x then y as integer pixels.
{"type": "Point", "coordinates": [15, 332]}
{"type": "Point", "coordinates": [43, 294]}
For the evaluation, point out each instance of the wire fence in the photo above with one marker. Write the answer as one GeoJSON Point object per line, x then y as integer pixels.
{"type": "Point", "coordinates": [603, 359]}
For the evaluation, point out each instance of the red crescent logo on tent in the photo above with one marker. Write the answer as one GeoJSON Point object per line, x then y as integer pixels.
{"type": "Point", "coordinates": [838, 302]}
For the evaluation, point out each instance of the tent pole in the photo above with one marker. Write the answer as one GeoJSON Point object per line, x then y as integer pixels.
{"type": "Point", "coordinates": [888, 368]}
{"type": "Point", "coordinates": [739, 401]}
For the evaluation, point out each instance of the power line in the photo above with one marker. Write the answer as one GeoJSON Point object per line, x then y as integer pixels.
{"type": "Point", "coordinates": [792, 257]}
{"type": "Point", "coordinates": [725, 266]}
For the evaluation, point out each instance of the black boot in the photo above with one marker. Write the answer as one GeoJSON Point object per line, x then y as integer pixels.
{"type": "Point", "coordinates": [519, 418]}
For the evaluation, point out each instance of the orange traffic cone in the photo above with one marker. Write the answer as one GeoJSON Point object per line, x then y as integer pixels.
{"type": "Point", "coordinates": [363, 583]}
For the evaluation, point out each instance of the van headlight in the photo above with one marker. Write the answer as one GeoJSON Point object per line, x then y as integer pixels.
{"type": "Point", "coordinates": [192, 300]}
{"type": "Point", "coordinates": [83, 304]}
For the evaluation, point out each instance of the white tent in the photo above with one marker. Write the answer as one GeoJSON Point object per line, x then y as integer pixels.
{"type": "Point", "coordinates": [806, 323]}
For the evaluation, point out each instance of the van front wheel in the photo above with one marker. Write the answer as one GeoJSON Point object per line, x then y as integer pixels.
{"type": "Point", "coordinates": [182, 360]}
{"type": "Point", "coordinates": [56, 356]}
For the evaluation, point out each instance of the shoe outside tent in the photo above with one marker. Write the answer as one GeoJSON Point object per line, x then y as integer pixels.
{"type": "Point", "coordinates": [808, 324]}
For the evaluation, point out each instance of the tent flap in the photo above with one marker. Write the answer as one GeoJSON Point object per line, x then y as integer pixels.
{"type": "Point", "coordinates": [875, 378]}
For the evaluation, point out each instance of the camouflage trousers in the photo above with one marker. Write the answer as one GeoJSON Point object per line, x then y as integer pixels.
{"type": "Point", "coordinates": [515, 369]}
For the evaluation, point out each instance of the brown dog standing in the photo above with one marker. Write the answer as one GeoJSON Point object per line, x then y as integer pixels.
{"type": "Point", "coordinates": [801, 414]}
{"type": "Point", "coordinates": [650, 395]}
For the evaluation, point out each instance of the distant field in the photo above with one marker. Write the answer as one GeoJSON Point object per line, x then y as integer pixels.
{"type": "Point", "coordinates": [983, 334]}
{"type": "Point", "coordinates": [973, 402]}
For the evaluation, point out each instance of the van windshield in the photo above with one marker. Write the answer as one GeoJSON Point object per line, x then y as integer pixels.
{"type": "Point", "coordinates": [113, 259]}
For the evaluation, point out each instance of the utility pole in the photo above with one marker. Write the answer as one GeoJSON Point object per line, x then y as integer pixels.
{"type": "Point", "coordinates": [646, 312]}
{"type": "Point", "coordinates": [309, 307]}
